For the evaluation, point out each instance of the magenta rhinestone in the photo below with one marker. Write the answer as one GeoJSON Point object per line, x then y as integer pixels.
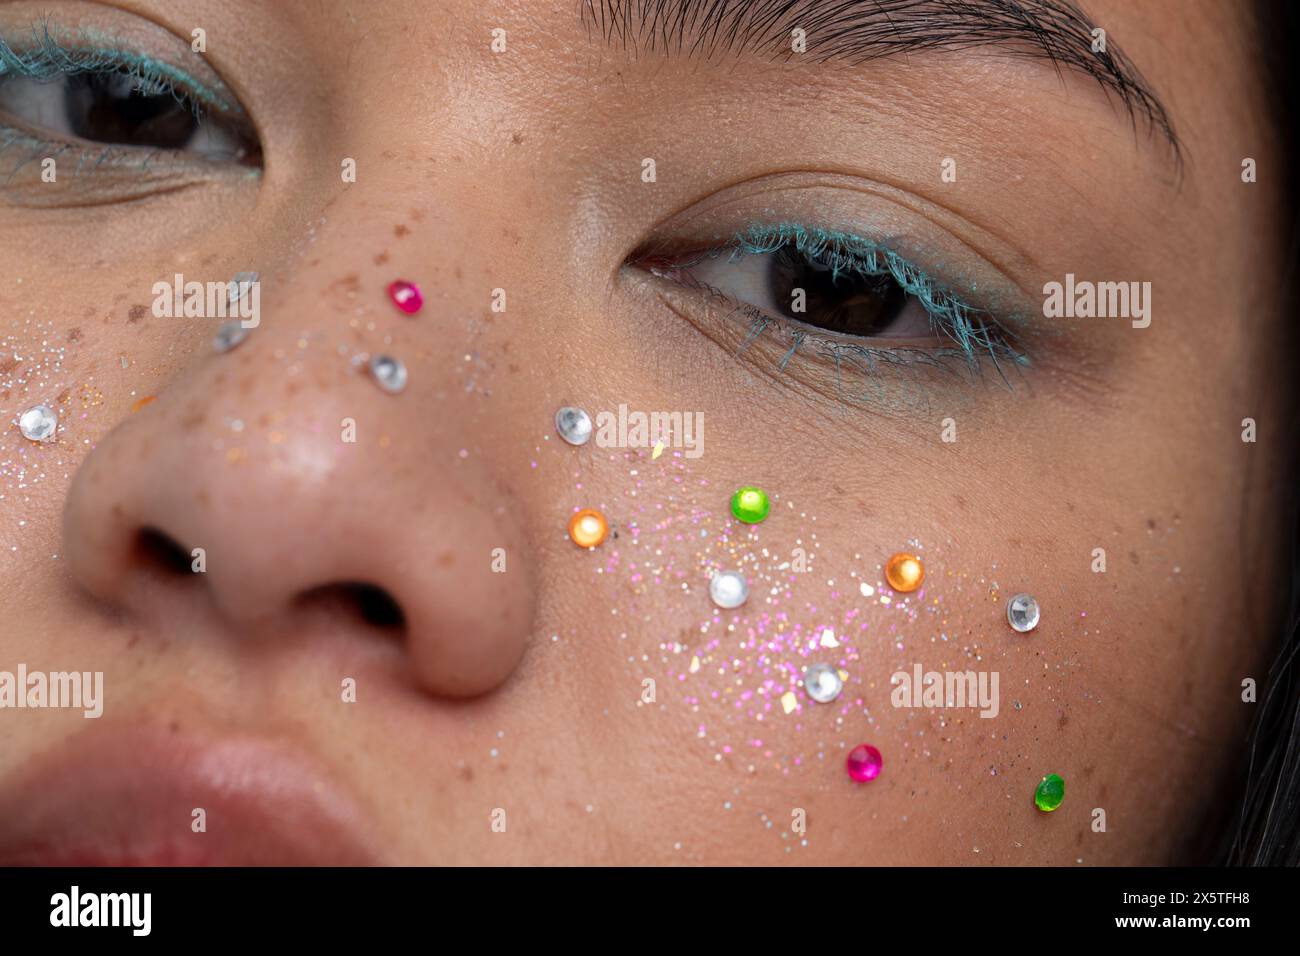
{"type": "Point", "coordinates": [864, 763]}
{"type": "Point", "coordinates": [406, 296]}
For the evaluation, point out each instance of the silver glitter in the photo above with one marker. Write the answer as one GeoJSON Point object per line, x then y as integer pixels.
{"type": "Point", "coordinates": [389, 373]}
{"type": "Point", "coordinates": [39, 423]}
{"type": "Point", "coordinates": [1022, 613]}
{"type": "Point", "coordinates": [573, 424]}
{"type": "Point", "coordinates": [728, 589]}
{"type": "Point", "coordinates": [229, 335]}
{"type": "Point", "coordinates": [822, 683]}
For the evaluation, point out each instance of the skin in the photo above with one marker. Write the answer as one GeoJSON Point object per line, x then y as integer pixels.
{"type": "Point", "coordinates": [522, 171]}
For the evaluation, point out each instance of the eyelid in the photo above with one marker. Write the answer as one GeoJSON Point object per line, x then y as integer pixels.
{"type": "Point", "coordinates": [47, 50]}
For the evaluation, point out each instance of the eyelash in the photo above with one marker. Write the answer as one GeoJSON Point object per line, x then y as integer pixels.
{"type": "Point", "coordinates": [976, 333]}
{"type": "Point", "coordinates": [47, 59]}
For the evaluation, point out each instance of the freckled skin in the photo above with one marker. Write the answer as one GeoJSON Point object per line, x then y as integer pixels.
{"type": "Point", "coordinates": [522, 172]}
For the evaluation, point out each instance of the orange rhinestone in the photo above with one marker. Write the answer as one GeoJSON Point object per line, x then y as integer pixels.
{"type": "Point", "coordinates": [904, 572]}
{"type": "Point", "coordinates": [142, 402]}
{"type": "Point", "coordinates": [588, 528]}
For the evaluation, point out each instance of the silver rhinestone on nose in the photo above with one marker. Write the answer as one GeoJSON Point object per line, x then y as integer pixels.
{"type": "Point", "coordinates": [389, 373]}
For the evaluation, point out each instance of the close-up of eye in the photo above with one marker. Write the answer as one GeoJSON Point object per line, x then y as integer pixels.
{"type": "Point", "coordinates": [798, 439]}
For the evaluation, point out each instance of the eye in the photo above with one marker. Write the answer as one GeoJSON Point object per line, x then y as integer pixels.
{"type": "Point", "coordinates": [794, 284]}
{"type": "Point", "coordinates": [120, 108]}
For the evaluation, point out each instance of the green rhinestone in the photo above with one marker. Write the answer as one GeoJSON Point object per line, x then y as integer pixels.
{"type": "Point", "coordinates": [1050, 793]}
{"type": "Point", "coordinates": [750, 505]}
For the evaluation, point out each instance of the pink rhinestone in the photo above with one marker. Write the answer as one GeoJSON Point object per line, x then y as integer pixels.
{"type": "Point", "coordinates": [864, 763]}
{"type": "Point", "coordinates": [406, 296]}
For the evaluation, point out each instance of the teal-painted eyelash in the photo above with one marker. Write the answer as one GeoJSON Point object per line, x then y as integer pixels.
{"type": "Point", "coordinates": [46, 57]}
{"type": "Point", "coordinates": [975, 331]}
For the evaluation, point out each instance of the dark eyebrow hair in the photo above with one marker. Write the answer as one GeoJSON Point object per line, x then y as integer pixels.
{"type": "Point", "coordinates": [857, 31]}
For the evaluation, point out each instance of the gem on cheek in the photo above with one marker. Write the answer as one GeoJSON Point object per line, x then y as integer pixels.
{"type": "Point", "coordinates": [573, 424]}
{"type": "Point", "coordinates": [1022, 613]}
{"type": "Point", "coordinates": [389, 373]}
{"type": "Point", "coordinates": [823, 683]}
{"type": "Point", "coordinates": [588, 528]}
{"type": "Point", "coordinates": [750, 505]}
{"type": "Point", "coordinates": [904, 572]}
{"type": "Point", "coordinates": [864, 763]}
{"type": "Point", "coordinates": [39, 423]}
{"type": "Point", "coordinates": [728, 589]}
{"type": "Point", "coordinates": [406, 296]}
{"type": "Point", "coordinates": [1050, 793]}
{"type": "Point", "coordinates": [229, 335]}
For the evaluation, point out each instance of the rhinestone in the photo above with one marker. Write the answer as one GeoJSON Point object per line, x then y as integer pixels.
{"type": "Point", "coordinates": [588, 528]}
{"type": "Point", "coordinates": [864, 763]}
{"type": "Point", "coordinates": [573, 424]}
{"type": "Point", "coordinates": [238, 286]}
{"type": "Point", "coordinates": [406, 296]}
{"type": "Point", "coordinates": [229, 334]}
{"type": "Point", "coordinates": [728, 589]}
{"type": "Point", "coordinates": [822, 683]}
{"type": "Point", "coordinates": [1050, 793]}
{"type": "Point", "coordinates": [1022, 613]}
{"type": "Point", "coordinates": [39, 423]}
{"type": "Point", "coordinates": [389, 373]}
{"type": "Point", "coordinates": [904, 572]}
{"type": "Point", "coordinates": [750, 505]}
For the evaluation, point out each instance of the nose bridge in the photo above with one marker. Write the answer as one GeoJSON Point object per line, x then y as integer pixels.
{"type": "Point", "coordinates": [296, 463]}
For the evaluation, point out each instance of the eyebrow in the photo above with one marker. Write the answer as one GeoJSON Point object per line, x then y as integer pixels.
{"type": "Point", "coordinates": [858, 31]}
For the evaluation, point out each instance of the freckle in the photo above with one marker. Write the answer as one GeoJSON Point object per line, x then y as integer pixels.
{"type": "Point", "coordinates": [74, 335]}
{"type": "Point", "coordinates": [9, 364]}
{"type": "Point", "coordinates": [137, 313]}
{"type": "Point", "coordinates": [401, 230]}
{"type": "Point", "coordinates": [381, 258]}
{"type": "Point", "coordinates": [292, 388]}
{"type": "Point", "coordinates": [467, 774]}
{"type": "Point", "coordinates": [1133, 556]}
{"type": "Point", "coordinates": [417, 215]}
{"type": "Point", "coordinates": [514, 369]}
{"type": "Point", "coordinates": [1062, 721]}
{"type": "Point", "coordinates": [193, 421]}
{"type": "Point", "coordinates": [1151, 524]}
{"type": "Point", "coordinates": [446, 559]}
{"type": "Point", "coordinates": [517, 138]}
{"type": "Point", "coordinates": [221, 378]}
{"type": "Point", "coordinates": [121, 296]}
{"type": "Point", "coordinates": [89, 313]}
{"type": "Point", "coordinates": [349, 284]}
{"type": "Point", "coordinates": [388, 154]}
{"type": "Point", "coordinates": [1087, 771]}
{"type": "Point", "coordinates": [174, 726]}
{"type": "Point", "coordinates": [202, 498]}
{"type": "Point", "coordinates": [247, 384]}
{"type": "Point", "coordinates": [263, 420]}
{"type": "Point", "coordinates": [63, 395]}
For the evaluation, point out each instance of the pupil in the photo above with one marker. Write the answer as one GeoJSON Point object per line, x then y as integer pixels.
{"type": "Point", "coordinates": [112, 108]}
{"type": "Point", "coordinates": [851, 303]}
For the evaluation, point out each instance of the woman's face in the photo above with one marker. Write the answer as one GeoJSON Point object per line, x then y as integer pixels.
{"type": "Point", "coordinates": [393, 650]}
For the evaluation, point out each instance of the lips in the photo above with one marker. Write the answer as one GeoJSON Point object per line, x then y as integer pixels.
{"type": "Point", "coordinates": [130, 799]}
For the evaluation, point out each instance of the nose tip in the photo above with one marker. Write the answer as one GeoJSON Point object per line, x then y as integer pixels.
{"type": "Point", "coordinates": [293, 528]}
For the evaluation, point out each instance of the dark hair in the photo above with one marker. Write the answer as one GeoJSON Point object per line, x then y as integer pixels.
{"type": "Point", "coordinates": [1266, 829]}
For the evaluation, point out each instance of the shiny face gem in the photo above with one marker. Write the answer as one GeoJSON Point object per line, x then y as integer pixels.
{"type": "Point", "coordinates": [728, 589]}
{"type": "Point", "coordinates": [389, 373]}
{"type": "Point", "coordinates": [864, 763]}
{"type": "Point", "coordinates": [573, 424]}
{"type": "Point", "coordinates": [750, 505]}
{"type": "Point", "coordinates": [822, 683]}
{"type": "Point", "coordinates": [904, 572]}
{"type": "Point", "coordinates": [1022, 613]}
{"type": "Point", "coordinates": [39, 423]}
{"type": "Point", "coordinates": [1050, 793]}
{"type": "Point", "coordinates": [229, 334]}
{"type": "Point", "coordinates": [588, 528]}
{"type": "Point", "coordinates": [406, 296]}
{"type": "Point", "coordinates": [238, 287]}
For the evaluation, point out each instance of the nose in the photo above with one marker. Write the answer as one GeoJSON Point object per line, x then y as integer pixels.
{"type": "Point", "coordinates": [319, 500]}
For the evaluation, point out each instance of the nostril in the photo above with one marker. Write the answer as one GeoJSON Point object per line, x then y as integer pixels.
{"type": "Point", "coordinates": [154, 549]}
{"type": "Point", "coordinates": [371, 604]}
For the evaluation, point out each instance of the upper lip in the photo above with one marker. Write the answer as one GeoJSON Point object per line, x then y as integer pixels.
{"type": "Point", "coordinates": [123, 798]}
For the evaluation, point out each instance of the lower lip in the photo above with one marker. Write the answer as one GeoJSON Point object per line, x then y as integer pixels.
{"type": "Point", "coordinates": [131, 801]}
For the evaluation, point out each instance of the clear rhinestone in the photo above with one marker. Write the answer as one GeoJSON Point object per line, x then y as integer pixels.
{"type": "Point", "coordinates": [1022, 613]}
{"type": "Point", "coordinates": [822, 683]}
{"type": "Point", "coordinates": [389, 373]}
{"type": "Point", "coordinates": [39, 423]}
{"type": "Point", "coordinates": [573, 424]}
{"type": "Point", "coordinates": [238, 286]}
{"type": "Point", "coordinates": [229, 334]}
{"type": "Point", "coordinates": [728, 589]}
